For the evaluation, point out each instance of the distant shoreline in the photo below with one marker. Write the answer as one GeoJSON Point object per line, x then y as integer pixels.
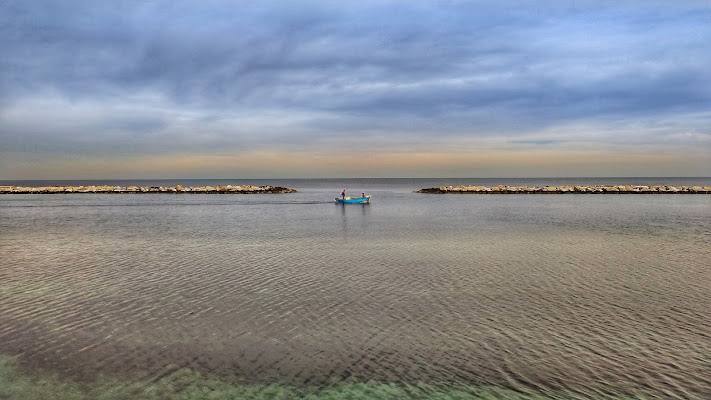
{"type": "Point", "coordinates": [219, 189]}
{"type": "Point", "coordinates": [602, 189]}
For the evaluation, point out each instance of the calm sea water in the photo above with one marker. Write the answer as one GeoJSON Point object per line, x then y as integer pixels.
{"type": "Point", "coordinates": [566, 296]}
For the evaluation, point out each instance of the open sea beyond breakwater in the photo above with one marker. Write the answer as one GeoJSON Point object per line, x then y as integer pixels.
{"type": "Point", "coordinates": [412, 296]}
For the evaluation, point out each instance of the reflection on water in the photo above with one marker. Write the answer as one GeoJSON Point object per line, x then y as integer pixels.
{"type": "Point", "coordinates": [360, 220]}
{"type": "Point", "coordinates": [569, 296]}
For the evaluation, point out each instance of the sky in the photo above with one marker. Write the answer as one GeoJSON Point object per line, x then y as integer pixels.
{"type": "Point", "coordinates": [276, 89]}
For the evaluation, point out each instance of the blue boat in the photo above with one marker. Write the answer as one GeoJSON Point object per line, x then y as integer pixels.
{"type": "Point", "coordinates": [365, 199]}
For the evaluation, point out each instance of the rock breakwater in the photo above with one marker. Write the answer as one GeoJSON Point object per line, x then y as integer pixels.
{"type": "Point", "coordinates": [602, 189]}
{"type": "Point", "coordinates": [219, 189]}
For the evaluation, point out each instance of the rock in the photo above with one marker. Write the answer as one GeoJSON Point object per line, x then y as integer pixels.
{"type": "Point", "coordinates": [567, 189]}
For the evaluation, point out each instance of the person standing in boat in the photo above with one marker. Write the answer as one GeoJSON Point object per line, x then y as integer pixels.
{"type": "Point", "coordinates": [343, 194]}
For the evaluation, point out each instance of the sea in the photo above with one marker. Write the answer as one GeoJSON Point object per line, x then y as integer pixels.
{"type": "Point", "coordinates": [413, 296]}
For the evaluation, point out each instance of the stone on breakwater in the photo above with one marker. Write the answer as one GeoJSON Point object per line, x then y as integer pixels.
{"type": "Point", "coordinates": [134, 189]}
{"type": "Point", "coordinates": [613, 189]}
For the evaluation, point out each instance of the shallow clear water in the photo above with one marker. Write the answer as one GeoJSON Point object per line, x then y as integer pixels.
{"type": "Point", "coordinates": [561, 295]}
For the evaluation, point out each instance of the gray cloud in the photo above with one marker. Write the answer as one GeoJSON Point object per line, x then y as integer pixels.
{"type": "Point", "coordinates": [171, 76]}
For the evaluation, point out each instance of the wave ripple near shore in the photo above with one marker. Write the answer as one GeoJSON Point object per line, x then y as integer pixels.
{"type": "Point", "coordinates": [533, 299]}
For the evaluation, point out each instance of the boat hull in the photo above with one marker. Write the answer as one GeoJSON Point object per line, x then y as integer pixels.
{"type": "Point", "coordinates": [365, 199]}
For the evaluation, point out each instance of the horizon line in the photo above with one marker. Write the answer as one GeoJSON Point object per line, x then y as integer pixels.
{"type": "Point", "coordinates": [363, 177]}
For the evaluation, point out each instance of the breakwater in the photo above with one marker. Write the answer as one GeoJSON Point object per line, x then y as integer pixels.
{"type": "Point", "coordinates": [219, 189]}
{"type": "Point", "coordinates": [602, 189]}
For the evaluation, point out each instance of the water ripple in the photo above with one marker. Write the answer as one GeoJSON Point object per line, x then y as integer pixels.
{"type": "Point", "coordinates": [260, 294]}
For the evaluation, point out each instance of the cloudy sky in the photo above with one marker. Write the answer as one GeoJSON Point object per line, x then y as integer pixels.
{"type": "Point", "coordinates": [215, 89]}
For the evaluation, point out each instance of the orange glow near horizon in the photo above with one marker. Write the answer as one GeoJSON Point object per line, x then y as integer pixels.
{"type": "Point", "coordinates": [278, 164]}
